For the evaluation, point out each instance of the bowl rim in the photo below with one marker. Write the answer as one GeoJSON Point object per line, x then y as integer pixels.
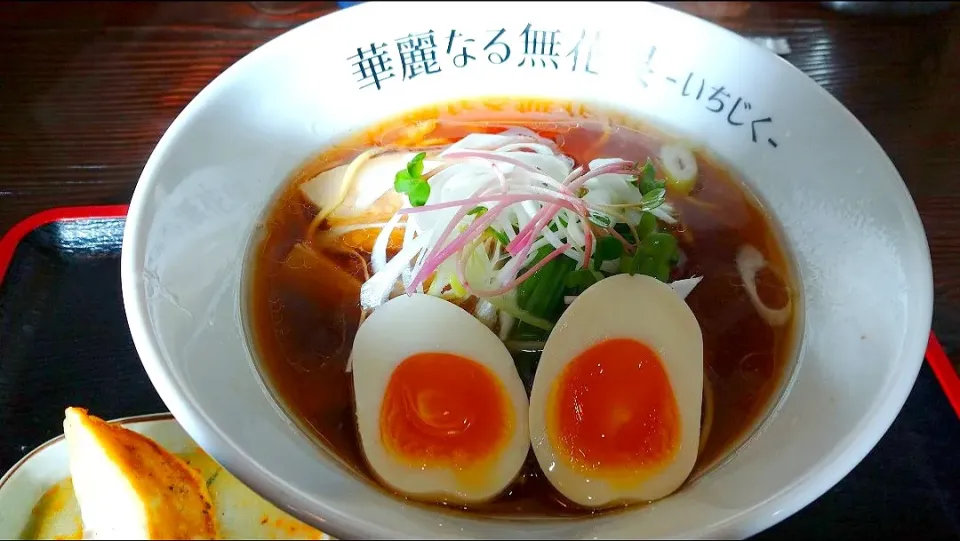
{"type": "Point", "coordinates": [802, 491]}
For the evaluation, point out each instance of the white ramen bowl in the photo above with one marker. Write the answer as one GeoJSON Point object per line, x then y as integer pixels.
{"type": "Point", "coordinates": [846, 215]}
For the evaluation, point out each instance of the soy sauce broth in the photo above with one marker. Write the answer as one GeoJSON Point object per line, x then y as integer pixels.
{"type": "Point", "coordinates": [302, 339]}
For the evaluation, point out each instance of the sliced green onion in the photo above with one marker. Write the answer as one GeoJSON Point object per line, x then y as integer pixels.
{"type": "Point", "coordinates": [600, 219]}
{"type": "Point", "coordinates": [653, 199]}
{"type": "Point", "coordinates": [499, 235]}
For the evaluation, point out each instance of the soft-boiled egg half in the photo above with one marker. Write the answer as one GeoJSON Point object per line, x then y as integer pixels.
{"type": "Point", "coordinates": [615, 405]}
{"type": "Point", "coordinates": [441, 411]}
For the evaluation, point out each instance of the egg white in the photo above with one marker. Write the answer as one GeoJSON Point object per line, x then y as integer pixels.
{"type": "Point", "coordinates": [649, 311]}
{"type": "Point", "coordinates": [405, 326]}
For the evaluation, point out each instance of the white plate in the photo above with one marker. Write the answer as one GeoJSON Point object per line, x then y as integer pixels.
{"type": "Point", "coordinates": [37, 502]}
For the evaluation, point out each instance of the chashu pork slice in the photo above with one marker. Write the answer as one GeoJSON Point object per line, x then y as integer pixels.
{"type": "Point", "coordinates": [129, 487]}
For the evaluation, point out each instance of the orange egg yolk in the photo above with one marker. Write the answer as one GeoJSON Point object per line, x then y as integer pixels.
{"type": "Point", "coordinates": [613, 410]}
{"type": "Point", "coordinates": [441, 409]}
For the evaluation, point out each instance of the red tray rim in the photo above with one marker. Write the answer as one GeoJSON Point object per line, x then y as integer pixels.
{"type": "Point", "coordinates": [12, 238]}
{"type": "Point", "coordinates": [935, 355]}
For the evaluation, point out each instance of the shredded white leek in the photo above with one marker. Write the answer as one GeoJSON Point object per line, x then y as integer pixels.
{"type": "Point", "coordinates": [376, 290]}
{"type": "Point", "coordinates": [685, 287]}
{"type": "Point", "coordinates": [749, 262]}
{"type": "Point", "coordinates": [527, 173]}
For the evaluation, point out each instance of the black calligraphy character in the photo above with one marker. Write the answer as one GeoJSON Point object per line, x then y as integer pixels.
{"type": "Point", "coordinates": [417, 55]}
{"type": "Point", "coordinates": [373, 65]}
{"type": "Point", "coordinates": [699, 92]}
{"type": "Point", "coordinates": [746, 106]}
{"type": "Point", "coordinates": [461, 59]}
{"type": "Point", "coordinates": [576, 52]}
{"type": "Point", "coordinates": [495, 57]}
{"type": "Point", "coordinates": [645, 68]}
{"type": "Point", "coordinates": [539, 45]}
{"type": "Point", "coordinates": [753, 128]}
{"type": "Point", "coordinates": [715, 97]}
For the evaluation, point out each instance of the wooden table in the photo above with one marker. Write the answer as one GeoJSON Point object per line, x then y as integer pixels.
{"type": "Point", "coordinates": [87, 89]}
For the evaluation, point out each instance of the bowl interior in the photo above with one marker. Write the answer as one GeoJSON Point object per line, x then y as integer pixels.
{"type": "Point", "coordinates": [858, 244]}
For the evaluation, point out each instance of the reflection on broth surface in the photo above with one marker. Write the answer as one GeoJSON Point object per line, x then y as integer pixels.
{"type": "Point", "coordinates": [513, 211]}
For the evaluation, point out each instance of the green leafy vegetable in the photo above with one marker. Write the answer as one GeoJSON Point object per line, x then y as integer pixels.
{"type": "Point", "coordinates": [653, 199]}
{"type": "Point", "coordinates": [410, 181]}
{"type": "Point", "coordinates": [608, 249]}
{"type": "Point", "coordinates": [660, 245]}
{"type": "Point", "coordinates": [402, 182]}
{"type": "Point", "coordinates": [625, 232]}
{"type": "Point", "coordinates": [675, 260]}
{"type": "Point", "coordinates": [419, 194]}
{"type": "Point", "coordinates": [415, 167]}
{"type": "Point", "coordinates": [654, 257]}
{"type": "Point", "coordinates": [647, 187]}
{"type": "Point", "coordinates": [477, 211]}
{"type": "Point", "coordinates": [499, 235]}
{"type": "Point", "coordinates": [648, 172]}
{"type": "Point", "coordinates": [646, 180]}
{"type": "Point", "coordinates": [647, 225]}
